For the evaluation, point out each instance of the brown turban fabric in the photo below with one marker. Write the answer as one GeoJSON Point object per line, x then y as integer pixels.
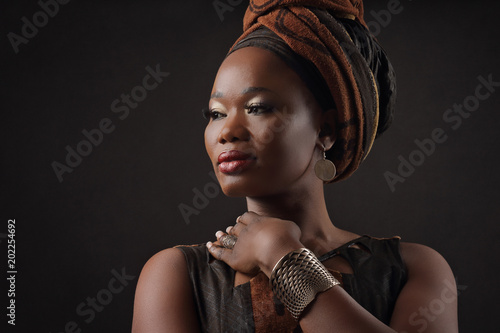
{"type": "Point", "coordinates": [329, 46]}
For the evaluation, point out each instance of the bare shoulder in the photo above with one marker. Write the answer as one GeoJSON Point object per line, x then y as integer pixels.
{"type": "Point", "coordinates": [164, 297]}
{"type": "Point", "coordinates": [164, 261]}
{"type": "Point", "coordinates": [428, 301]}
{"type": "Point", "coordinates": [420, 259]}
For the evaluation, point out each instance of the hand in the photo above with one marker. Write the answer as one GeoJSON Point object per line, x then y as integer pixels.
{"type": "Point", "coordinates": [261, 242]}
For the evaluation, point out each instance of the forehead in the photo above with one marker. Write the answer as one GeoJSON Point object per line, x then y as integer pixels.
{"type": "Point", "coordinates": [252, 66]}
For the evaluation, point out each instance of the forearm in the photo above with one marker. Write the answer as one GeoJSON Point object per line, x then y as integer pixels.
{"type": "Point", "coordinates": [336, 311]}
{"type": "Point", "coordinates": [299, 276]}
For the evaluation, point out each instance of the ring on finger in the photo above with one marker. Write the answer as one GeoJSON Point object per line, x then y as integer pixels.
{"type": "Point", "coordinates": [228, 241]}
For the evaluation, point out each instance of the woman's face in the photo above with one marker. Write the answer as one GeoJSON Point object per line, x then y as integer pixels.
{"type": "Point", "coordinates": [263, 127]}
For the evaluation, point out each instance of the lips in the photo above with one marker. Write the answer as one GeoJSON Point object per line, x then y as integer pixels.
{"type": "Point", "coordinates": [234, 161]}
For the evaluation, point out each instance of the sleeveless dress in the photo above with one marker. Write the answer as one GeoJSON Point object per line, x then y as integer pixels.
{"type": "Point", "coordinates": [378, 276]}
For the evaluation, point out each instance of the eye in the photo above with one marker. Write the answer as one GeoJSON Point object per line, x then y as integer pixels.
{"type": "Point", "coordinates": [259, 108]}
{"type": "Point", "coordinates": [212, 114]}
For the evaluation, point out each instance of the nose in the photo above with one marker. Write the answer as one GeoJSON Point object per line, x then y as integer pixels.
{"type": "Point", "coordinates": [234, 128]}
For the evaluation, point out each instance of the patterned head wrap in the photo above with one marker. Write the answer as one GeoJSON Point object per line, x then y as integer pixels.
{"type": "Point", "coordinates": [329, 46]}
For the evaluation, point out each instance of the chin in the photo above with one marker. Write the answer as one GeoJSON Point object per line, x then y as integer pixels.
{"type": "Point", "coordinates": [252, 183]}
{"type": "Point", "coordinates": [235, 189]}
{"type": "Point", "coordinates": [246, 188]}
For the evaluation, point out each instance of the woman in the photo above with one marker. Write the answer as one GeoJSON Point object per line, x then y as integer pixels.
{"type": "Point", "coordinates": [304, 86]}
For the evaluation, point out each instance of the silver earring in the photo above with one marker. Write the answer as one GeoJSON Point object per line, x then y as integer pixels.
{"type": "Point", "coordinates": [325, 169]}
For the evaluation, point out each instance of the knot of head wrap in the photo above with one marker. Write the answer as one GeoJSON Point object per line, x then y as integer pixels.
{"type": "Point", "coordinates": [329, 46]}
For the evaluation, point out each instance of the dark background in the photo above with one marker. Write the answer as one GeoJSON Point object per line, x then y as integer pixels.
{"type": "Point", "coordinates": [121, 204]}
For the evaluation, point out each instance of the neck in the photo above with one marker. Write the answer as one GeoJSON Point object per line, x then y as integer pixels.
{"type": "Point", "coordinates": [304, 206]}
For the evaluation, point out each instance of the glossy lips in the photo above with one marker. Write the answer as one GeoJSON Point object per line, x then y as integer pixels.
{"type": "Point", "coordinates": [234, 161]}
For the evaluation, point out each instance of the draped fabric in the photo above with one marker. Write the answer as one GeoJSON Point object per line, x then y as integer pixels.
{"type": "Point", "coordinates": [333, 36]}
{"type": "Point", "coordinates": [378, 276]}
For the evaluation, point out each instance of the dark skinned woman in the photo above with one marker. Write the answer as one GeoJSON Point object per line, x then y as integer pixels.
{"type": "Point", "coordinates": [296, 104]}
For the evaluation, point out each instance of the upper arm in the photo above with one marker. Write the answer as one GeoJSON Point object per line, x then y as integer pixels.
{"type": "Point", "coordinates": [428, 301]}
{"type": "Point", "coordinates": [164, 297]}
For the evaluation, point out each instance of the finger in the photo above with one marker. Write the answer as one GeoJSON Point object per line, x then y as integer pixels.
{"type": "Point", "coordinates": [248, 217]}
{"type": "Point", "coordinates": [236, 229]}
{"type": "Point", "coordinates": [240, 220]}
{"type": "Point", "coordinates": [219, 252]}
{"type": "Point", "coordinates": [219, 234]}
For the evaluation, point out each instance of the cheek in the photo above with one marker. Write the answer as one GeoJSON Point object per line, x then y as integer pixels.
{"type": "Point", "coordinates": [298, 148]}
{"type": "Point", "coordinates": [210, 140]}
{"type": "Point", "coordinates": [287, 146]}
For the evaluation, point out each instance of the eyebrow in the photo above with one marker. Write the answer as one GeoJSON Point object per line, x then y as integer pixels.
{"type": "Point", "coordinates": [216, 94]}
{"type": "Point", "coordinates": [254, 89]}
{"type": "Point", "coordinates": [245, 91]}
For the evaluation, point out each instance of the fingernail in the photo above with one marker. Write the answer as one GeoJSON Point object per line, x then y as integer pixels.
{"type": "Point", "coordinates": [218, 234]}
{"type": "Point", "coordinates": [228, 229]}
{"type": "Point", "coordinates": [238, 218]}
{"type": "Point", "coordinates": [209, 244]}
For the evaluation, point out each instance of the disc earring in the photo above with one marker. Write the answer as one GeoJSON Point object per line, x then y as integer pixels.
{"type": "Point", "coordinates": [325, 169]}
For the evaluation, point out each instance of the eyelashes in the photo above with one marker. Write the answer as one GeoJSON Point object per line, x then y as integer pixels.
{"type": "Point", "coordinates": [211, 114]}
{"type": "Point", "coordinates": [252, 108]}
{"type": "Point", "coordinates": [206, 113]}
{"type": "Point", "coordinates": [259, 108]}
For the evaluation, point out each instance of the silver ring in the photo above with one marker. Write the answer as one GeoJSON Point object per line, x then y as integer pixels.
{"type": "Point", "coordinates": [228, 241]}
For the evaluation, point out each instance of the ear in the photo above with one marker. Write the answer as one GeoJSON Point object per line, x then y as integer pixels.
{"type": "Point", "coordinates": [326, 133]}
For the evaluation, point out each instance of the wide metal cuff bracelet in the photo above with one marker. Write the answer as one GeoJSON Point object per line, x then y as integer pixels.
{"type": "Point", "coordinates": [297, 278]}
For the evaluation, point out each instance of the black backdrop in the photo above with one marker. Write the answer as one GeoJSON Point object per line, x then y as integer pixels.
{"type": "Point", "coordinates": [81, 242]}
